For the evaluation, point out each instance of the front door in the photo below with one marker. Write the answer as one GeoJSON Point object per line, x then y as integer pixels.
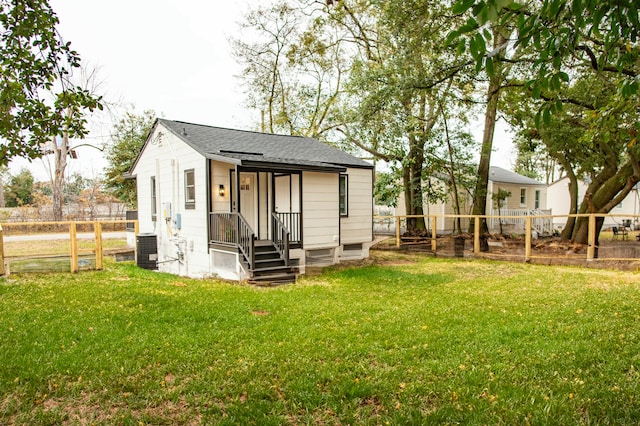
{"type": "Point", "coordinates": [249, 199]}
{"type": "Point", "coordinates": [248, 192]}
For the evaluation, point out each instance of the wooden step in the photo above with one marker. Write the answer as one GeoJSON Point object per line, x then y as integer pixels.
{"type": "Point", "coordinates": [273, 279]}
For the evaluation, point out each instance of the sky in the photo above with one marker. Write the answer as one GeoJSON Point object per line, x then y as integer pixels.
{"type": "Point", "coordinates": [173, 57]}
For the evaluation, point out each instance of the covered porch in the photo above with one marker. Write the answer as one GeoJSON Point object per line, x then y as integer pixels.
{"type": "Point", "coordinates": [256, 211]}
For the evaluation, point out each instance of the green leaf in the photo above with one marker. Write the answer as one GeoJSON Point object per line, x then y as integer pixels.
{"type": "Point", "coordinates": [558, 105]}
{"type": "Point", "coordinates": [546, 116]}
{"type": "Point", "coordinates": [470, 25]}
{"type": "Point", "coordinates": [489, 66]}
{"type": "Point", "coordinates": [535, 93]}
{"type": "Point", "coordinates": [502, 4]}
{"type": "Point", "coordinates": [557, 60]}
{"type": "Point", "coordinates": [462, 46]}
{"type": "Point", "coordinates": [479, 63]}
{"type": "Point", "coordinates": [462, 6]}
{"type": "Point", "coordinates": [451, 37]}
{"type": "Point", "coordinates": [492, 13]}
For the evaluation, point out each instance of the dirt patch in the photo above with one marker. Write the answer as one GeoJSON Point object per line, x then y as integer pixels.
{"type": "Point", "coordinates": [622, 255]}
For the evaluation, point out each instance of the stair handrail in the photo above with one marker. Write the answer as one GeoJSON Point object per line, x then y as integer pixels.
{"type": "Point", "coordinates": [280, 237]}
{"type": "Point", "coordinates": [233, 229]}
{"type": "Point", "coordinates": [246, 241]}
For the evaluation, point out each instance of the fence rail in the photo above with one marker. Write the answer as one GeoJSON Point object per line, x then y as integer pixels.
{"type": "Point", "coordinates": [72, 226]}
{"type": "Point", "coordinates": [396, 225]}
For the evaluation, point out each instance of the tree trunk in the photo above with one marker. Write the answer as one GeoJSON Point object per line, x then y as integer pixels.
{"type": "Point", "coordinates": [602, 196]}
{"type": "Point", "coordinates": [567, 232]}
{"type": "Point", "coordinates": [58, 180]}
{"type": "Point", "coordinates": [493, 96]}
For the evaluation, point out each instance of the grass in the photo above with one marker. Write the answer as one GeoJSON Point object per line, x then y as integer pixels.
{"type": "Point", "coordinates": [400, 341]}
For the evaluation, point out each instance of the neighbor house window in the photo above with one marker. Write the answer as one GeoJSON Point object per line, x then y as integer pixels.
{"type": "Point", "coordinates": [523, 196]}
{"type": "Point", "coordinates": [154, 199]}
{"type": "Point", "coordinates": [537, 199]}
{"type": "Point", "coordinates": [189, 189]}
{"type": "Point", "coordinates": [343, 193]}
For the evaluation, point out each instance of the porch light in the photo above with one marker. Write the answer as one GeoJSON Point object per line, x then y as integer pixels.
{"type": "Point", "coordinates": [221, 190]}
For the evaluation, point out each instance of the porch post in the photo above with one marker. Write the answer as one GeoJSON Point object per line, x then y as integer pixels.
{"type": "Point", "coordinates": [237, 193]}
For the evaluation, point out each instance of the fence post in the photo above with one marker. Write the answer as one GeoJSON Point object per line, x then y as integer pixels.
{"type": "Point", "coordinates": [527, 239]}
{"type": "Point", "coordinates": [2, 268]}
{"type": "Point", "coordinates": [434, 233]}
{"type": "Point", "coordinates": [73, 246]}
{"type": "Point", "coordinates": [97, 229]}
{"type": "Point", "coordinates": [398, 231]}
{"type": "Point", "coordinates": [591, 238]}
{"type": "Point", "coordinates": [476, 235]}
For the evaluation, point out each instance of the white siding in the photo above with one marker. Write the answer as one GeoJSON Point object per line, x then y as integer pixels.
{"type": "Point", "coordinates": [166, 157]}
{"type": "Point", "coordinates": [220, 173]}
{"type": "Point", "coordinates": [321, 227]}
{"type": "Point", "coordinates": [558, 200]}
{"type": "Point", "coordinates": [513, 201]}
{"type": "Point", "coordinates": [357, 226]}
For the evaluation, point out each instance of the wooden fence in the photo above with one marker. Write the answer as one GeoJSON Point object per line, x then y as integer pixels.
{"type": "Point", "coordinates": [431, 222]}
{"type": "Point", "coordinates": [74, 252]}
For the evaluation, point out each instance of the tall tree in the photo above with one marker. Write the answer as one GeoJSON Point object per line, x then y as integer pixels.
{"type": "Point", "coordinates": [127, 138]}
{"type": "Point", "coordinates": [566, 42]}
{"type": "Point", "coordinates": [35, 61]}
{"type": "Point", "coordinates": [292, 69]}
{"type": "Point", "coordinates": [597, 36]}
{"type": "Point", "coordinates": [402, 82]}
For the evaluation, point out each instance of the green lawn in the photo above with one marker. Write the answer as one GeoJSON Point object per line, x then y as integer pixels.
{"type": "Point", "coordinates": [402, 341]}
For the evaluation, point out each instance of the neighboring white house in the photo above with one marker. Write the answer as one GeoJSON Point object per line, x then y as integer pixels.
{"type": "Point", "coordinates": [527, 197]}
{"type": "Point", "coordinates": [247, 205]}
{"type": "Point", "coordinates": [559, 201]}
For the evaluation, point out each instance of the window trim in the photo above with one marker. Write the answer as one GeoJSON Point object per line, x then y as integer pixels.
{"type": "Point", "coordinates": [523, 197]}
{"type": "Point", "coordinates": [538, 199]}
{"type": "Point", "coordinates": [189, 203]}
{"type": "Point", "coordinates": [343, 212]}
{"type": "Point", "coordinates": [154, 200]}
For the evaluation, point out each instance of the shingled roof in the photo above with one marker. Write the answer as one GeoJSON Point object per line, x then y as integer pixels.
{"type": "Point", "coordinates": [498, 174]}
{"type": "Point", "coordinates": [254, 148]}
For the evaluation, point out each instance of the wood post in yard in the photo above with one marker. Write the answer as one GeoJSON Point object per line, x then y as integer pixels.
{"type": "Point", "coordinates": [398, 231]}
{"type": "Point", "coordinates": [97, 229]}
{"type": "Point", "coordinates": [2, 268]}
{"type": "Point", "coordinates": [434, 233]}
{"type": "Point", "coordinates": [591, 238]}
{"type": "Point", "coordinates": [476, 235]}
{"type": "Point", "coordinates": [73, 247]}
{"type": "Point", "coordinates": [527, 239]}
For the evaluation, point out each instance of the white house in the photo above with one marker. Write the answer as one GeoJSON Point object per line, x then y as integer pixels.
{"type": "Point", "coordinates": [527, 197]}
{"type": "Point", "coordinates": [246, 205]}
{"type": "Point", "coordinates": [559, 202]}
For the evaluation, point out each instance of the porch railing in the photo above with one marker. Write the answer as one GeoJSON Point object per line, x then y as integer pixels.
{"type": "Point", "coordinates": [543, 225]}
{"type": "Point", "coordinates": [291, 221]}
{"type": "Point", "coordinates": [281, 237]}
{"type": "Point", "coordinates": [233, 230]}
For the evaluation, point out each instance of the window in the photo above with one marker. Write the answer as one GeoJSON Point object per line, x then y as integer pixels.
{"type": "Point", "coordinates": [523, 196]}
{"type": "Point", "coordinates": [343, 194]}
{"type": "Point", "coordinates": [537, 199]}
{"type": "Point", "coordinates": [154, 199]}
{"type": "Point", "coordinates": [189, 189]}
